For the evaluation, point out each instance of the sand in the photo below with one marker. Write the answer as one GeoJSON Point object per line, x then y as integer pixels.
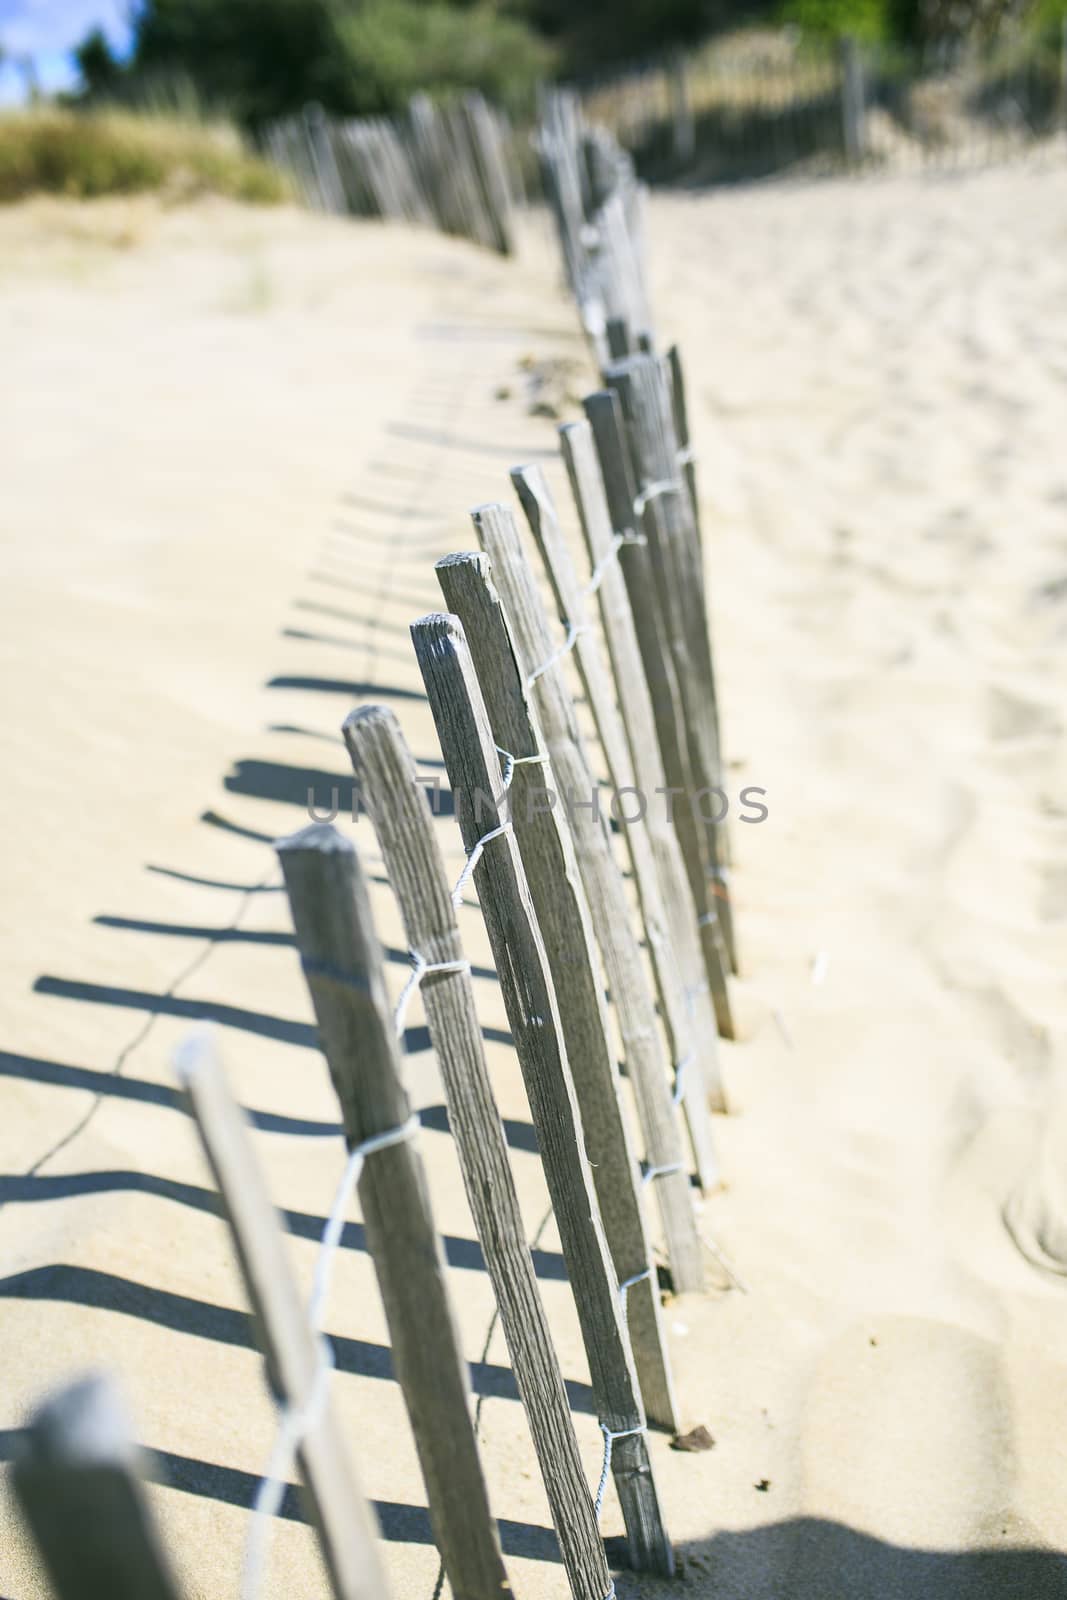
{"type": "Point", "coordinates": [235, 443]}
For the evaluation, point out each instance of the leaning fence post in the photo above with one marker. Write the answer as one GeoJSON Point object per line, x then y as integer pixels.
{"type": "Point", "coordinates": [79, 1483]}
{"type": "Point", "coordinates": [400, 812]}
{"type": "Point", "coordinates": [493, 861]}
{"type": "Point", "coordinates": [292, 1349]}
{"type": "Point", "coordinates": [681, 428]}
{"type": "Point", "coordinates": [491, 171]}
{"type": "Point", "coordinates": [642, 1038]}
{"type": "Point", "coordinates": [323, 161]}
{"type": "Point", "coordinates": [682, 123]}
{"type": "Point", "coordinates": [605, 417]}
{"type": "Point", "coordinates": [664, 513]}
{"type": "Point", "coordinates": [853, 108]}
{"type": "Point", "coordinates": [606, 557]}
{"type": "Point", "coordinates": [342, 962]}
{"type": "Point", "coordinates": [548, 860]}
{"type": "Point", "coordinates": [602, 696]}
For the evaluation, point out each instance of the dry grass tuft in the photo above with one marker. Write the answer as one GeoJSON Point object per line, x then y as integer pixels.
{"type": "Point", "coordinates": [84, 154]}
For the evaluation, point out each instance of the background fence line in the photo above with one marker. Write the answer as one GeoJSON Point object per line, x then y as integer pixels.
{"type": "Point", "coordinates": [449, 167]}
{"type": "Point", "coordinates": [765, 101]}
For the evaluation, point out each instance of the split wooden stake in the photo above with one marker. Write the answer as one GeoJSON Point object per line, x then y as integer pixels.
{"type": "Point", "coordinates": [631, 993]}
{"type": "Point", "coordinates": [548, 860]}
{"type": "Point", "coordinates": [661, 677]}
{"type": "Point", "coordinates": [342, 962]}
{"type": "Point", "coordinates": [642, 384]}
{"type": "Point", "coordinates": [639, 729]}
{"type": "Point", "coordinates": [345, 1523]}
{"type": "Point", "coordinates": [474, 774]}
{"type": "Point", "coordinates": [400, 812]}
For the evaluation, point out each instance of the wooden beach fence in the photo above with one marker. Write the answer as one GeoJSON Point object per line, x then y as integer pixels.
{"type": "Point", "coordinates": [616, 989]}
{"type": "Point", "coordinates": [648, 471]}
{"type": "Point", "coordinates": [442, 166]}
{"type": "Point", "coordinates": [598, 207]}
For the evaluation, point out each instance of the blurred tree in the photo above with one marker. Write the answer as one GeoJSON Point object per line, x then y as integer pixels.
{"type": "Point", "coordinates": [100, 71]}
{"type": "Point", "coordinates": [603, 30]}
{"type": "Point", "coordinates": [868, 20]}
{"type": "Point", "coordinates": [395, 47]}
{"type": "Point", "coordinates": [265, 58]}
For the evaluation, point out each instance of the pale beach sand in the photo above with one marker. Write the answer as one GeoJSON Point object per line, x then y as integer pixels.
{"type": "Point", "coordinates": [234, 445]}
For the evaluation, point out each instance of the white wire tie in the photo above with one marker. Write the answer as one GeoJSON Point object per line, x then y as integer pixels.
{"type": "Point", "coordinates": [651, 1173]}
{"type": "Point", "coordinates": [473, 860]}
{"type": "Point", "coordinates": [652, 491]}
{"type": "Point", "coordinates": [686, 456]}
{"type": "Point", "coordinates": [609, 1442]}
{"type": "Point", "coordinates": [628, 536]}
{"type": "Point", "coordinates": [295, 1422]}
{"type": "Point", "coordinates": [510, 763]}
{"type": "Point", "coordinates": [628, 1284]}
{"type": "Point", "coordinates": [420, 968]}
{"type": "Point", "coordinates": [574, 633]}
{"type": "Point", "coordinates": [680, 1072]}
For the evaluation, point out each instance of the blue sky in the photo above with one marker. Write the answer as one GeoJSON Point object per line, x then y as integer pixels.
{"type": "Point", "coordinates": [48, 30]}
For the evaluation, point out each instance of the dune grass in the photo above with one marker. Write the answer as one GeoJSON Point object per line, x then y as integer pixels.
{"type": "Point", "coordinates": [84, 154]}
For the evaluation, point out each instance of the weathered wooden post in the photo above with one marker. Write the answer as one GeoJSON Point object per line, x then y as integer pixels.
{"type": "Point", "coordinates": [491, 172]}
{"type": "Point", "coordinates": [681, 428]}
{"type": "Point", "coordinates": [80, 1486]}
{"type": "Point", "coordinates": [853, 101]}
{"type": "Point", "coordinates": [473, 769]}
{"type": "Point", "coordinates": [664, 510]}
{"type": "Point", "coordinates": [323, 161]}
{"type": "Point", "coordinates": [683, 126]}
{"type": "Point", "coordinates": [605, 418]}
{"type": "Point", "coordinates": [297, 1364]}
{"type": "Point", "coordinates": [541, 663]}
{"type": "Point", "coordinates": [400, 812]}
{"type": "Point", "coordinates": [602, 696]}
{"type": "Point", "coordinates": [609, 553]}
{"type": "Point", "coordinates": [342, 962]}
{"type": "Point", "coordinates": [547, 852]}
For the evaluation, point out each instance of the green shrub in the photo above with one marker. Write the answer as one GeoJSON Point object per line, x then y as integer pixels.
{"type": "Point", "coordinates": [85, 154]}
{"type": "Point", "coordinates": [263, 59]}
{"type": "Point", "coordinates": [869, 20]}
{"type": "Point", "coordinates": [394, 48]}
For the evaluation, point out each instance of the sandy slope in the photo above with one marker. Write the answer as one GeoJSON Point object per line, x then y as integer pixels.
{"type": "Point", "coordinates": [235, 444]}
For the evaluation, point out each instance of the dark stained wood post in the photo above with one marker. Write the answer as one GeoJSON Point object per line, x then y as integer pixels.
{"type": "Point", "coordinates": [400, 811]}
{"type": "Point", "coordinates": [342, 962]}
{"type": "Point", "coordinates": [474, 773]}
{"type": "Point", "coordinates": [80, 1486]}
